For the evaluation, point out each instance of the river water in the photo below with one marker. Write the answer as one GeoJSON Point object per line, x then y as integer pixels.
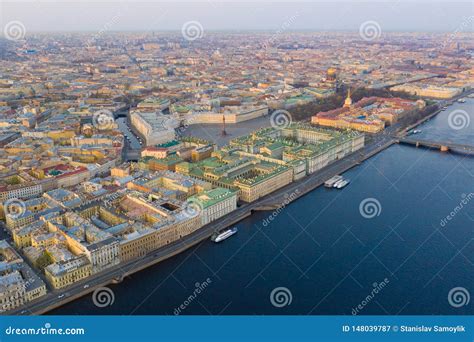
{"type": "Point", "coordinates": [328, 254]}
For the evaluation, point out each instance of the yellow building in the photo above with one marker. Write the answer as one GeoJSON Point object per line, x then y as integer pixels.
{"type": "Point", "coordinates": [138, 244]}
{"type": "Point", "coordinates": [373, 126]}
{"type": "Point", "coordinates": [230, 114]}
{"type": "Point", "coordinates": [18, 283]}
{"type": "Point", "coordinates": [34, 292]}
{"type": "Point", "coordinates": [370, 114]}
{"type": "Point", "coordinates": [431, 91]}
{"type": "Point", "coordinates": [25, 215]}
{"type": "Point", "coordinates": [68, 272]}
{"type": "Point", "coordinates": [22, 238]}
{"type": "Point", "coordinates": [253, 189]}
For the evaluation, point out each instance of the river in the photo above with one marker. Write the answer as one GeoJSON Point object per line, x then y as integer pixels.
{"type": "Point", "coordinates": [329, 254]}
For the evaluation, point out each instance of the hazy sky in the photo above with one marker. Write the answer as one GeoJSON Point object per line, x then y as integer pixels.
{"type": "Point", "coordinates": [113, 15]}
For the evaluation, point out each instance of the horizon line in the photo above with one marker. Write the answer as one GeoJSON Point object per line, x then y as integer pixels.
{"type": "Point", "coordinates": [303, 30]}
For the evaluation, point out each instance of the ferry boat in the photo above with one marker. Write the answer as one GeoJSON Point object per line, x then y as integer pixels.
{"type": "Point", "coordinates": [330, 182]}
{"type": "Point", "coordinates": [218, 237]}
{"type": "Point", "coordinates": [341, 184]}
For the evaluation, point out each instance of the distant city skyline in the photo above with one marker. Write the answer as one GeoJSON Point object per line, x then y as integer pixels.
{"type": "Point", "coordinates": [303, 130]}
{"type": "Point", "coordinates": [61, 16]}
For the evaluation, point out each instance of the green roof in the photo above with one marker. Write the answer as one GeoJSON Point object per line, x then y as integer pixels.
{"type": "Point", "coordinates": [275, 146]}
{"type": "Point", "coordinates": [210, 197]}
{"type": "Point", "coordinates": [169, 144]}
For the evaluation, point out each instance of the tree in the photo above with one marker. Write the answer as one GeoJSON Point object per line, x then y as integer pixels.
{"type": "Point", "coordinates": [44, 260]}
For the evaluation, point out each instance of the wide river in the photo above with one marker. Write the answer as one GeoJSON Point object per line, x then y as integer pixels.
{"type": "Point", "coordinates": [328, 253]}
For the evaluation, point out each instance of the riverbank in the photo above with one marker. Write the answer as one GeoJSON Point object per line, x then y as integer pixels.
{"type": "Point", "coordinates": [325, 252]}
{"type": "Point", "coordinates": [438, 111]}
{"type": "Point", "coordinates": [270, 202]}
{"type": "Point", "coordinates": [275, 199]}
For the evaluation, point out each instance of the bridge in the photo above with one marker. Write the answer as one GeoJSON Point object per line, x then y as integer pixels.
{"type": "Point", "coordinates": [442, 146]}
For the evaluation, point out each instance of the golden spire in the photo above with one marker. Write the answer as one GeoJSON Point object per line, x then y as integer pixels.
{"type": "Point", "coordinates": [348, 101]}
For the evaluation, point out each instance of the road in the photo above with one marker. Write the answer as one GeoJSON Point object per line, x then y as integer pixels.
{"type": "Point", "coordinates": [305, 185]}
{"type": "Point", "coordinates": [134, 143]}
{"type": "Point", "coordinates": [376, 144]}
{"type": "Point", "coordinates": [132, 147]}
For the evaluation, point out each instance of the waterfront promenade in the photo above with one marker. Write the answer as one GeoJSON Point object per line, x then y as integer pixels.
{"type": "Point", "coordinates": [57, 298]}
{"type": "Point", "coordinates": [272, 201]}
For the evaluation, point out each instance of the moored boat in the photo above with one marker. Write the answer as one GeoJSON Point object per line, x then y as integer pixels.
{"type": "Point", "coordinates": [342, 184]}
{"type": "Point", "coordinates": [218, 237]}
{"type": "Point", "coordinates": [330, 182]}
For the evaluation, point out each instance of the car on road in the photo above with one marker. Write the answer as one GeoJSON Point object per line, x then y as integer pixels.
{"type": "Point", "coordinates": [86, 286]}
{"type": "Point", "coordinates": [61, 296]}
